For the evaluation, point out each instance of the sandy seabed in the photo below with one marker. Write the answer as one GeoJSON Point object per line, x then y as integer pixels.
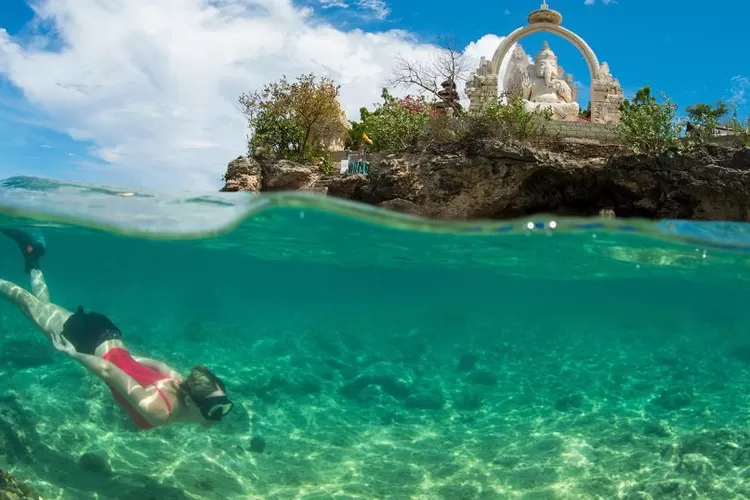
{"type": "Point", "coordinates": [527, 416]}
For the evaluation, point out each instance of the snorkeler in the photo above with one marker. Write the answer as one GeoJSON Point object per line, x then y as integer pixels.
{"type": "Point", "coordinates": [151, 392]}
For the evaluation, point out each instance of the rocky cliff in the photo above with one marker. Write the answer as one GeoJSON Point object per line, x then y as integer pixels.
{"type": "Point", "coordinates": [501, 180]}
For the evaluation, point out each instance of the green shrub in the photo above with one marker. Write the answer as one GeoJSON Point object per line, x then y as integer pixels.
{"type": "Point", "coordinates": [396, 124]}
{"type": "Point", "coordinates": [354, 137]}
{"type": "Point", "coordinates": [325, 164]}
{"type": "Point", "coordinates": [740, 129]}
{"type": "Point", "coordinates": [498, 120]}
{"type": "Point", "coordinates": [706, 117]}
{"type": "Point", "coordinates": [647, 125]}
{"type": "Point", "coordinates": [440, 128]}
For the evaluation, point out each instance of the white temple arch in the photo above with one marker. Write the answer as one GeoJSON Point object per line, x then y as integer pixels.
{"type": "Point", "coordinates": [508, 42]}
{"type": "Point", "coordinates": [606, 94]}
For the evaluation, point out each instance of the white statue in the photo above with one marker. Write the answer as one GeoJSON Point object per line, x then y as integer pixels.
{"type": "Point", "coordinates": [544, 88]}
{"type": "Point", "coordinates": [604, 73]}
{"type": "Point", "coordinates": [517, 77]}
{"type": "Point", "coordinates": [481, 85]}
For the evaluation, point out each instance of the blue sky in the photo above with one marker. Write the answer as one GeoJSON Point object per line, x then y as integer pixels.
{"type": "Point", "coordinates": [137, 92]}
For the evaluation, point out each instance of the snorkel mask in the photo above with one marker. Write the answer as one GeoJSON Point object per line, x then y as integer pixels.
{"type": "Point", "coordinates": [215, 407]}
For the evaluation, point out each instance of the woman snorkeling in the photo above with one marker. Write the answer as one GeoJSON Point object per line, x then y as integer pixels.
{"type": "Point", "coordinates": [151, 392]}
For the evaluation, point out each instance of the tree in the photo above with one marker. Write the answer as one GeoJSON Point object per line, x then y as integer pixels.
{"type": "Point", "coordinates": [297, 119]}
{"type": "Point", "coordinates": [357, 130]}
{"type": "Point", "coordinates": [647, 125]}
{"type": "Point", "coordinates": [740, 130]}
{"type": "Point", "coordinates": [706, 118]}
{"type": "Point", "coordinates": [394, 124]}
{"type": "Point", "coordinates": [447, 64]}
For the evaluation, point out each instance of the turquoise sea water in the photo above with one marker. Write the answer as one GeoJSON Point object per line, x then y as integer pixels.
{"type": "Point", "coordinates": [381, 356]}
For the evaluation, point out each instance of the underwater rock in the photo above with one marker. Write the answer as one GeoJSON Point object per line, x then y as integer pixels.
{"type": "Point", "coordinates": [13, 489]}
{"type": "Point", "coordinates": [545, 446]}
{"type": "Point", "coordinates": [23, 354]}
{"type": "Point", "coordinates": [426, 400]}
{"type": "Point", "coordinates": [392, 378]}
{"type": "Point", "coordinates": [671, 489]}
{"type": "Point", "coordinates": [534, 476]}
{"type": "Point", "coordinates": [481, 377]}
{"type": "Point", "coordinates": [467, 362]}
{"type": "Point", "coordinates": [375, 395]}
{"type": "Point", "coordinates": [390, 416]}
{"type": "Point", "coordinates": [346, 370]}
{"type": "Point", "coordinates": [243, 174]}
{"type": "Point", "coordinates": [695, 463]}
{"type": "Point", "coordinates": [459, 491]}
{"type": "Point", "coordinates": [257, 444]}
{"type": "Point", "coordinates": [658, 428]}
{"type": "Point", "coordinates": [673, 399]}
{"type": "Point", "coordinates": [507, 180]}
{"type": "Point", "coordinates": [725, 448]}
{"type": "Point", "coordinates": [285, 175]}
{"type": "Point", "coordinates": [570, 402]}
{"type": "Point", "coordinates": [17, 434]}
{"type": "Point", "coordinates": [740, 353]}
{"type": "Point", "coordinates": [95, 462]}
{"type": "Point", "coordinates": [468, 400]}
{"type": "Point", "coordinates": [269, 387]}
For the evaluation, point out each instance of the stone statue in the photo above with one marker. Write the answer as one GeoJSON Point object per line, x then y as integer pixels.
{"type": "Point", "coordinates": [517, 76]}
{"type": "Point", "coordinates": [606, 96]}
{"type": "Point", "coordinates": [481, 86]}
{"type": "Point", "coordinates": [544, 88]}
{"type": "Point", "coordinates": [604, 73]}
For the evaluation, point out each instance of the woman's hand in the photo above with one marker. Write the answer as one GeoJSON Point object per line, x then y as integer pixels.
{"type": "Point", "coordinates": [63, 345]}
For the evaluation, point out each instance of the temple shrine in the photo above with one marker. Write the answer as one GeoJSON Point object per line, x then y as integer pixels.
{"type": "Point", "coordinates": [542, 85]}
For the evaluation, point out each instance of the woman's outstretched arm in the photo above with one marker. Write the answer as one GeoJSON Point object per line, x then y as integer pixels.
{"type": "Point", "coordinates": [146, 401]}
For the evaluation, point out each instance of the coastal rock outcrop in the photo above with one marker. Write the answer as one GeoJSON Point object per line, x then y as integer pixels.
{"type": "Point", "coordinates": [262, 174]}
{"type": "Point", "coordinates": [285, 175]}
{"type": "Point", "coordinates": [506, 181]}
{"type": "Point", "coordinates": [498, 180]}
{"type": "Point", "coordinates": [243, 174]}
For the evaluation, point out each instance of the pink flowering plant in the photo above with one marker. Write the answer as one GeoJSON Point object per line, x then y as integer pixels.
{"type": "Point", "coordinates": [396, 123]}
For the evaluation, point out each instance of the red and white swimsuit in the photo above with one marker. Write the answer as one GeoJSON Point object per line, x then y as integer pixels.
{"type": "Point", "coordinates": [144, 375]}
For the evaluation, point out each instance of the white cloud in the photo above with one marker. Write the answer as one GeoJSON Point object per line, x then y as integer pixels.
{"type": "Point", "coordinates": [378, 7]}
{"type": "Point", "coordinates": [375, 8]}
{"type": "Point", "coordinates": [327, 4]}
{"type": "Point", "coordinates": [154, 85]}
{"type": "Point", "coordinates": [740, 88]}
{"type": "Point", "coordinates": [592, 2]}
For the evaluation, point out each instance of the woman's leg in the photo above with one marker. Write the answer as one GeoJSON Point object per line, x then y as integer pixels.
{"type": "Point", "coordinates": [48, 317]}
{"type": "Point", "coordinates": [39, 286]}
{"type": "Point", "coordinates": [36, 306]}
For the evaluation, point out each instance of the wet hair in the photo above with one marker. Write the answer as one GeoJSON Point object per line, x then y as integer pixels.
{"type": "Point", "coordinates": [201, 383]}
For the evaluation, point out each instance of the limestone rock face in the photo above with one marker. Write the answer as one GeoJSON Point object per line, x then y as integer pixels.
{"type": "Point", "coordinates": [285, 175]}
{"type": "Point", "coordinates": [243, 174]}
{"type": "Point", "coordinates": [505, 180]}
{"type": "Point", "coordinates": [347, 186]}
{"type": "Point", "coordinates": [497, 180]}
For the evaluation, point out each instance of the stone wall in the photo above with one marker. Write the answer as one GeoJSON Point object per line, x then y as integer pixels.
{"type": "Point", "coordinates": [584, 130]}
